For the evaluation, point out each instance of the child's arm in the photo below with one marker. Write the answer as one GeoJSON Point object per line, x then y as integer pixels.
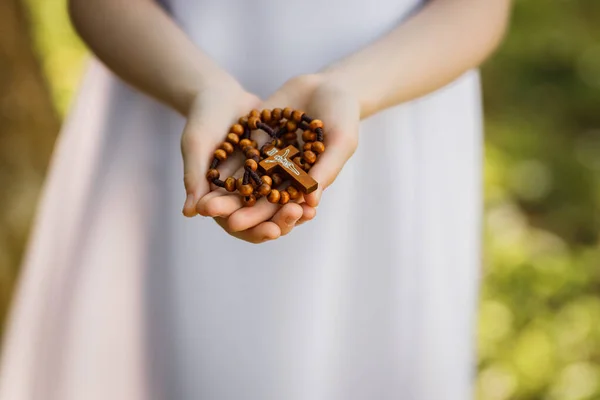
{"type": "Point", "coordinates": [138, 41]}
{"type": "Point", "coordinates": [442, 41]}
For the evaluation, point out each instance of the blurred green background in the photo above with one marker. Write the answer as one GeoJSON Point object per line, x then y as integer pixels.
{"type": "Point", "coordinates": [539, 331]}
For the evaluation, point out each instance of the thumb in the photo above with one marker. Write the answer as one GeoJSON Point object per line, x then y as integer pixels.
{"type": "Point", "coordinates": [339, 147]}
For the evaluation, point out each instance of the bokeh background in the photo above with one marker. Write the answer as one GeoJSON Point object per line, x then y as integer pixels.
{"type": "Point", "coordinates": [539, 330]}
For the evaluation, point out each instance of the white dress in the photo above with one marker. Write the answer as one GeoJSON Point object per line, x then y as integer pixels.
{"type": "Point", "coordinates": [121, 297]}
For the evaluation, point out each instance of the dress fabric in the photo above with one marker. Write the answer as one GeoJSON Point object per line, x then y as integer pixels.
{"type": "Point", "coordinates": [121, 297]}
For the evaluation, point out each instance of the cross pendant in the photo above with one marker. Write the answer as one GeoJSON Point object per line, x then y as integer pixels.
{"type": "Point", "coordinates": [281, 160]}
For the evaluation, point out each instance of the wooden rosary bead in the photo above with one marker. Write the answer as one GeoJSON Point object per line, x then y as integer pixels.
{"type": "Point", "coordinates": [266, 116]}
{"type": "Point", "coordinates": [213, 174]}
{"type": "Point", "coordinates": [316, 123]}
{"type": "Point", "coordinates": [245, 143]}
{"type": "Point", "coordinates": [281, 126]}
{"type": "Point", "coordinates": [253, 165]}
{"type": "Point", "coordinates": [318, 147]}
{"type": "Point", "coordinates": [277, 179]}
{"type": "Point", "coordinates": [294, 193]}
{"type": "Point", "coordinates": [290, 137]}
{"type": "Point", "coordinates": [230, 184]}
{"type": "Point", "coordinates": [233, 138]}
{"type": "Point", "coordinates": [252, 121]}
{"type": "Point", "coordinates": [297, 116]}
{"type": "Point", "coordinates": [221, 155]}
{"type": "Point", "coordinates": [237, 129]}
{"type": "Point", "coordinates": [284, 197]}
{"type": "Point", "coordinates": [251, 152]}
{"type": "Point", "coordinates": [228, 147]}
{"type": "Point", "coordinates": [249, 200]}
{"type": "Point", "coordinates": [291, 126]}
{"type": "Point", "coordinates": [267, 180]}
{"type": "Point", "coordinates": [309, 157]}
{"type": "Point", "coordinates": [246, 190]}
{"type": "Point", "coordinates": [264, 189]}
{"type": "Point", "coordinates": [308, 136]}
{"type": "Point", "coordinates": [287, 113]}
{"type": "Point", "coordinates": [274, 196]}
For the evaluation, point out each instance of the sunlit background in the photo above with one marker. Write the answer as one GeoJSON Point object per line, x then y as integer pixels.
{"type": "Point", "coordinates": [539, 331]}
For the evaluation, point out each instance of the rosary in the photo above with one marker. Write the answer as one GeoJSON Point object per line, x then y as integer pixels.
{"type": "Point", "coordinates": [277, 160]}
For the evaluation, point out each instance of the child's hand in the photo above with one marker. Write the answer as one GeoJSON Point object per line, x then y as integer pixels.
{"type": "Point", "coordinates": [212, 113]}
{"type": "Point", "coordinates": [341, 114]}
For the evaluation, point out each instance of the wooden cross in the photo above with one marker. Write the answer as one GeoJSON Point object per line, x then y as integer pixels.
{"type": "Point", "coordinates": [281, 160]}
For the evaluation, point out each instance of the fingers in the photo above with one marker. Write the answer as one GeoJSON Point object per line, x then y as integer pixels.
{"type": "Point", "coordinates": [287, 217]}
{"type": "Point", "coordinates": [259, 234]}
{"type": "Point", "coordinates": [247, 217]}
{"type": "Point", "coordinates": [308, 213]}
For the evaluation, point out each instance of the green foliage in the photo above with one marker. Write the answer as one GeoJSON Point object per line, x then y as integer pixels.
{"type": "Point", "coordinates": [539, 336]}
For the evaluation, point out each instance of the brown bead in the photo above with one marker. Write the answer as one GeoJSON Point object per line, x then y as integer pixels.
{"type": "Point", "coordinates": [287, 113]}
{"type": "Point", "coordinates": [230, 184]}
{"type": "Point", "coordinates": [253, 165]}
{"type": "Point", "coordinates": [246, 190]}
{"type": "Point", "coordinates": [277, 179]}
{"type": "Point", "coordinates": [307, 146]}
{"type": "Point", "coordinates": [245, 143]}
{"type": "Point", "coordinates": [266, 115]}
{"type": "Point", "coordinates": [318, 147]}
{"type": "Point", "coordinates": [291, 126]}
{"type": "Point", "coordinates": [264, 189]}
{"type": "Point", "coordinates": [276, 114]}
{"type": "Point", "coordinates": [297, 160]}
{"type": "Point", "coordinates": [290, 137]}
{"type": "Point", "coordinates": [316, 123]}
{"type": "Point", "coordinates": [309, 157]}
{"type": "Point", "coordinates": [308, 136]}
{"type": "Point", "coordinates": [254, 113]}
{"type": "Point", "coordinates": [239, 182]}
{"type": "Point", "coordinates": [233, 138]}
{"type": "Point", "coordinates": [274, 196]}
{"type": "Point", "coordinates": [249, 201]}
{"type": "Point", "coordinates": [294, 193]}
{"type": "Point", "coordinates": [279, 143]}
{"type": "Point", "coordinates": [251, 152]}
{"type": "Point", "coordinates": [254, 144]}
{"type": "Point", "coordinates": [212, 174]}
{"type": "Point", "coordinates": [306, 166]}
{"type": "Point", "coordinates": [243, 121]}
{"type": "Point", "coordinates": [221, 155]}
{"type": "Point", "coordinates": [267, 180]}
{"type": "Point", "coordinates": [237, 129]}
{"type": "Point", "coordinates": [284, 197]}
{"type": "Point", "coordinates": [228, 147]}
{"type": "Point", "coordinates": [297, 116]}
{"type": "Point", "coordinates": [252, 121]}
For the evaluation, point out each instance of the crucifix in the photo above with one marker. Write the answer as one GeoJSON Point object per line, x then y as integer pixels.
{"type": "Point", "coordinates": [281, 160]}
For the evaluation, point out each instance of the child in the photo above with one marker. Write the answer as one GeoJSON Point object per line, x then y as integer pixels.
{"type": "Point", "coordinates": [123, 298]}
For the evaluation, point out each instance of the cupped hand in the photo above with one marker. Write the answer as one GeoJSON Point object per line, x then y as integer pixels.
{"type": "Point", "coordinates": [340, 111]}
